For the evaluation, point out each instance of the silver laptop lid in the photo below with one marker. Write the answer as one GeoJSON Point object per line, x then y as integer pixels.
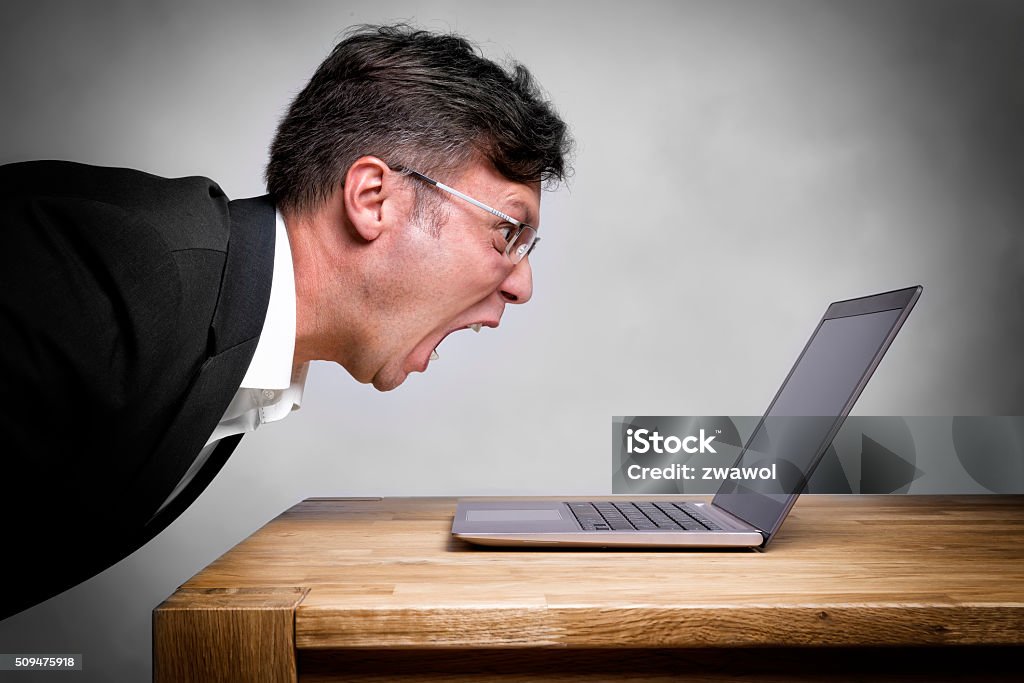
{"type": "Point", "coordinates": [810, 407]}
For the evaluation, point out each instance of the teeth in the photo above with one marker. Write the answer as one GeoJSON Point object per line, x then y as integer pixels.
{"type": "Point", "coordinates": [475, 327]}
{"type": "Point", "coordinates": [433, 355]}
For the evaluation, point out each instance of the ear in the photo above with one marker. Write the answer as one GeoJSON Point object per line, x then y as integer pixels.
{"type": "Point", "coordinates": [370, 201]}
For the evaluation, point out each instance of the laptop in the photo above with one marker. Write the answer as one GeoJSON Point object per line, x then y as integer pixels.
{"type": "Point", "coordinates": [788, 442]}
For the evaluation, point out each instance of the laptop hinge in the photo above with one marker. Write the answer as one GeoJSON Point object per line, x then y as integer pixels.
{"type": "Point", "coordinates": [737, 520]}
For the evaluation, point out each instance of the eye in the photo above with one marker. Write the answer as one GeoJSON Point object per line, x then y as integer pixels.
{"type": "Point", "coordinates": [502, 234]}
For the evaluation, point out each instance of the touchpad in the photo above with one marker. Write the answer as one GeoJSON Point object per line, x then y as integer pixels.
{"type": "Point", "coordinates": [548, 515]}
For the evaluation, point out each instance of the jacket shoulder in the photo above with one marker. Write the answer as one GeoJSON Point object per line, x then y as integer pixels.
{"type": "Point", "coordinates": [113, 277]}
{"type": "Point", "coordinates": [189, 212]}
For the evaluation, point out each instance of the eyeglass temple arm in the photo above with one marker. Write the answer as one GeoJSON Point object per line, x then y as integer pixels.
{"type": "Point", "coordinates": [452, 190]}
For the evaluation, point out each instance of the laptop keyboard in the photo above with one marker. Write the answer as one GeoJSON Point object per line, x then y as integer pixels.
{"type": "Point", "coordinates": [642, 516]}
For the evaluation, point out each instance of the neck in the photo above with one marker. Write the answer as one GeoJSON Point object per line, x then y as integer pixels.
{"type": "Point", "coordinates": [328, 310]}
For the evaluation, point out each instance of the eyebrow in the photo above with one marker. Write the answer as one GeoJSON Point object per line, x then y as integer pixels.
{"type": "Point", "coordinates": [519, 208]}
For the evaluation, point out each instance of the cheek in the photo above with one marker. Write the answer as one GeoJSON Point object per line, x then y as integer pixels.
{"type": "Point", "coordinates": [491, 274]}
{"type": "Point", "coordinates": [464, 270]}
{"type": "Point", "coordinates": [478, 271]}
{"type": "Point", "coordinates": [467, 285]}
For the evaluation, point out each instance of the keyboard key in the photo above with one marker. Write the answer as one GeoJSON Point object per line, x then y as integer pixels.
{"type": "Point", "coordinates": [658, 517]}
{"type": "Point", "coordinates": [699, 516]}
{"type": "Point", "coordinates": [614, 518]}
{"type": "Point", "coordinates": [681, 518]}
{"type": "Point", "coordinates": [641, 515]}
{"type": "Point", "coordinates": [638, 519]}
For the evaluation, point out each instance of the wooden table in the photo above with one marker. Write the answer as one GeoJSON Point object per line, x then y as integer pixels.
{"type": "Point", "coordinates": [853, 588]}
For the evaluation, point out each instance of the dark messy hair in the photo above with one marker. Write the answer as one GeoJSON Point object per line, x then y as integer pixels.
{"type": "Point", "coordinates": [417, 99]}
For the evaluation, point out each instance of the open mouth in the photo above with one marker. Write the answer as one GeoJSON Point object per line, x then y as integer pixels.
{"type": "Point", "coordinates": [474, 326]}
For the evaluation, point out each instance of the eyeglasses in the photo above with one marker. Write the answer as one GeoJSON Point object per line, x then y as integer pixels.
{"type": "Point", "coordinates": [517, 241]}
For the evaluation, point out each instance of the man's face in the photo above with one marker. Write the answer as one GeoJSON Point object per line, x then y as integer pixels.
{"type": "Point", "coordinates": [450, 276]}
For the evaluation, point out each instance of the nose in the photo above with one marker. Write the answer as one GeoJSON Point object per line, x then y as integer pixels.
{"type": "Point", "coordinates": [517, 288]}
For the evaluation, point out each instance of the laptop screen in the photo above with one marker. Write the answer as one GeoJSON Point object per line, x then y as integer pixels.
{"type": "Point", "coordinates": [809, 408]}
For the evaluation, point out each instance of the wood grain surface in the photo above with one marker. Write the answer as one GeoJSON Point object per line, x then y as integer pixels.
{"type": "Point", "coordinates": [233, 634]}
{"type": "Point", "coordinates": [844, 572]}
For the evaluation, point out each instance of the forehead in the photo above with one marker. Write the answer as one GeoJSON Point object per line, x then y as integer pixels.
{"type": "Point", "coordinates": [519, 200]}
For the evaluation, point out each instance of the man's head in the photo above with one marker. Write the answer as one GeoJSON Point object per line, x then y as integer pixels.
{"type": "Point", "coordinates": [386, 263]}
{"type": "Point", "coordinates": [419, 99]}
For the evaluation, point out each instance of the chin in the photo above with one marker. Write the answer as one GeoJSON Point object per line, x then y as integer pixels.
{"type": "Point", "coordinates": [387, 381]}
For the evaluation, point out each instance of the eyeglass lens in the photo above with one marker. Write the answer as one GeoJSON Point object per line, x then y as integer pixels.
{"type": "Point", "coordinates": [522, 244]}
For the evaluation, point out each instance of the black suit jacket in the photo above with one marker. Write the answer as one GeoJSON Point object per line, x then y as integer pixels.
{"type": "Point", "coordinates": [130, 309]}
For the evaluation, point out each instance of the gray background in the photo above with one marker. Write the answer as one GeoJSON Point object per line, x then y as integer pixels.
{"type": "Point", "coordinates": [740, 165]}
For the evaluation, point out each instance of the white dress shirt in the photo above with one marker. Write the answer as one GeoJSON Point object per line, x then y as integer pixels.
{"type": "Point", "coordinates": [271, 388]}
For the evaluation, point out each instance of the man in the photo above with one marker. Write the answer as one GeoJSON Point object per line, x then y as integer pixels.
{"type": "Point", "coordinates": [148, 323]}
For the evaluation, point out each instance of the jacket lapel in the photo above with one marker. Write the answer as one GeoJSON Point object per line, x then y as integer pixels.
{"type": "Point", "coordinates": [234, 332]}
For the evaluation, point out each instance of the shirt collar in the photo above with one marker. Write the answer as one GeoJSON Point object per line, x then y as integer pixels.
{"type": "Point", "coordinates": [271, 366]}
